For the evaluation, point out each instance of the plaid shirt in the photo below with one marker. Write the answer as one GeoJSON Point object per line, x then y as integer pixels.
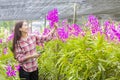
{"type": "Point", "coordinates": [28, 47]}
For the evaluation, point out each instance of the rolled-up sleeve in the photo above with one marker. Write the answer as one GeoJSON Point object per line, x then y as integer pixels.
{"type": "Point", "coordinates": [41, 39]}
{"type": "Point", "coordinates": [20, 57]}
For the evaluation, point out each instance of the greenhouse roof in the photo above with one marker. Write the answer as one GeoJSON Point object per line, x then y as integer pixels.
{"type": "Point", "coordinates": [37, 9]}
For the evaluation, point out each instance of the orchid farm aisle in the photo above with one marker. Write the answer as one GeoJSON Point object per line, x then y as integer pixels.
{"type": "Point", "coordinates": [87, 52]}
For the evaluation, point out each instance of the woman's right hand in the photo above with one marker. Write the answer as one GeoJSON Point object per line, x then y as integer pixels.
{"type": "Point", "coordinates": [32, 56]}
{"type": "Point", "coordinates": [35, 55]}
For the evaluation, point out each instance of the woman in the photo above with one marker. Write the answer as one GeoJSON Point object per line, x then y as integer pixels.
{"type": "Point", "coordinates": [24, 48]}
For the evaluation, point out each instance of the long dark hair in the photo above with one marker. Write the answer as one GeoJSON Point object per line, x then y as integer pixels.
{"type": "Point", "coordinates": [17, 34]}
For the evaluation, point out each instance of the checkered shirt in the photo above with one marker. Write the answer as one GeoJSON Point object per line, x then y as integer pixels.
{"type": "Point", "coordinates": [28, 47]}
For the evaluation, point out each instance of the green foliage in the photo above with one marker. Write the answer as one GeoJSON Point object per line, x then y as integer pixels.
{"type": "Point", "coordinates": [7, 24]}
{"type": "Point", "coordinates": [84, 58]}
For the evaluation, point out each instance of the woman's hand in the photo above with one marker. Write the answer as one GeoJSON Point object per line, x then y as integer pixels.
{"type": "Point", "coordinates": [55, 25]}
{"type": "Point", "coordinates": [35, 55]}
{"type": "Point", "coordinates": [55, 28]}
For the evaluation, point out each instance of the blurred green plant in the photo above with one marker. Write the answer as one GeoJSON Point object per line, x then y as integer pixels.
{"type": "Point", "coordinates": [85, 58]}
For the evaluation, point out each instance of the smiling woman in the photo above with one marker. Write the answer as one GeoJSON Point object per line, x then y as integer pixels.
{"type": "Point", "coordinates": [24, 49]}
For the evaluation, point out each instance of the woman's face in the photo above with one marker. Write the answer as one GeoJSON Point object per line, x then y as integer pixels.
{"type": "Point", "coordinates": [24, 27]}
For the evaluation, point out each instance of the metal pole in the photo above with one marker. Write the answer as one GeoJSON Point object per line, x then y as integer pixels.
{"type": "Point", "coordinates": [45, 22]}
{"type": "Point", "coordinates": [74, 14]}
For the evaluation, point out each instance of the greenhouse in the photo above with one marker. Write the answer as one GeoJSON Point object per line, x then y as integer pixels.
{"type": "Point", "coordinates": [59, 39]}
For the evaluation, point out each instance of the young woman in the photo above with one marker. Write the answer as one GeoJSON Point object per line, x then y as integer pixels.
{"type": "Point", "coordinates": [24, 48]}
